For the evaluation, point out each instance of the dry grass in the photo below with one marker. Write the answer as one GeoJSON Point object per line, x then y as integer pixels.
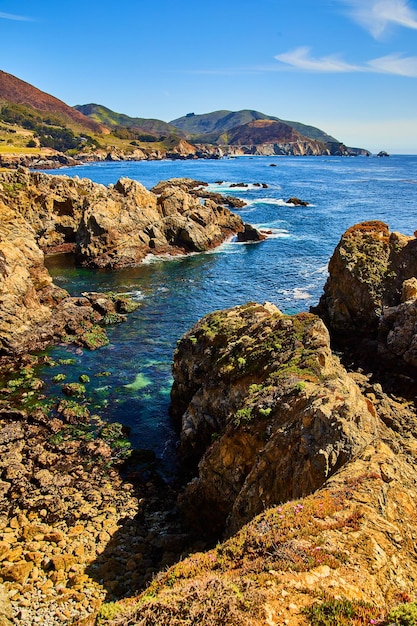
{"type": "Point", "coordinates": [207, 601]}
{"type": "Point", "coordinates": [225, 586]}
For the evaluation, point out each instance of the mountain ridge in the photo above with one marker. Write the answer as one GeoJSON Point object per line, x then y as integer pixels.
{"type": "Point", "coordinates": [223, 120]}
{"type": "Point", "coordinates": [103, 115]}
{"type": "Point", "coordinates": [17, 91]}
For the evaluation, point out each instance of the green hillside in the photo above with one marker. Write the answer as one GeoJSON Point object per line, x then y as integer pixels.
{"type": "Point", "coordinates": [111, 119]}
{"type": "Point", "coordinates": [22, 125]}
{"type": "Point", "coordinates": [219, 122]}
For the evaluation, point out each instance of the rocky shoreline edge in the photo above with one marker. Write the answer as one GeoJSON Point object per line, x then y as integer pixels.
{"type": "Point", "coordinates": [82, 516]}
{"type": "Point", "coordinates": [51, 159]}
{"type": "Point", "coordinates": [299, 474]}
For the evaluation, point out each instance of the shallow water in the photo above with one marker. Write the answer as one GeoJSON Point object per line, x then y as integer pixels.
{"type": "Point", "coordinates": [288, 269]}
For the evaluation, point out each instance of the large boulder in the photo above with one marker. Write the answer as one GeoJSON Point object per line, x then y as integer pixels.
{"type": "Point", "coordinates": [369, 300]}
{"type": "Point", "coordinates": [366, 274]}
{"type": "Point", "coordinates": [266, 411]}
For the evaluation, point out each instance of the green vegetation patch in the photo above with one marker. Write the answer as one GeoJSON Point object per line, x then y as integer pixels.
{"type": "Point", "coordinates": [403, 615]}
{"type": "Point", "coordinates": [50, 130]}
{"type": "Point", "coordinates": [95, 338]}
{"type": "Point", "coordinates": [246, 344]}
{"type": "Point", "coordinates": [342, 612]}
{"type": "Point", "coordinates": [76, 390]}
{"type": "Point", "coordinates": [107, 612]}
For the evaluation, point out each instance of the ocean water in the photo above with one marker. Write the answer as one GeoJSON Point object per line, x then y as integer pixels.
{"type": "Point", "coordinates": [288, 269]}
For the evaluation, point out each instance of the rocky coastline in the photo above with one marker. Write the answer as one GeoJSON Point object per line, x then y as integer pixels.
{"type": "Point", "coordinates": [52, 159]}
{"type": "Point", "coordinates": [105, 227]}
{"type": "Point", "coordinates": [304, 467]}
{"type": "Point", "coordinates": [298, 477]}
{"type": "Point", "coordinates": [69, 513]}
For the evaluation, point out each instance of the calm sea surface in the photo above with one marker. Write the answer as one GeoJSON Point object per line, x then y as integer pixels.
{"type": "Point", "coordinates": [288, 269]}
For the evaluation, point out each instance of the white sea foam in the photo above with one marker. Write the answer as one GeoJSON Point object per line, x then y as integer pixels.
{"type": "Point", "coordinates": [301, 294]}
{"type": "Point", "coordinates": [274, 233]}
{"type": "Point", "coordinates": [231, 186]}
{"type": "Point", "coordinates": [135, 294]}
{"type": "Point", "coordinates": [321, 271]}
{"type": "Point", "coordinates": [273, 201]}
{"type": "Point", "coordinates": [157, 258]}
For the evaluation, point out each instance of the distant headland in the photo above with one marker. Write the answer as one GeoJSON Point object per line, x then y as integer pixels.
{"type": "Point", "coordinates": [39, 130]}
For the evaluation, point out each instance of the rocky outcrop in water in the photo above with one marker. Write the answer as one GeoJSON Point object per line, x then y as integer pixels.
{"type": "Point", "coordinates": [106, 227]}
{"type": "Point", "coordinates": [119, 225]}
{"type": "Point", "coordinates": [369, 299]}
{"type": "Point", "coordinates": [266, 409]}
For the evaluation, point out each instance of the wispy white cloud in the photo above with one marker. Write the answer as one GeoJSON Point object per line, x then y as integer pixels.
{"type": "Point", "coordinates": [300, 58]}
{"type": "Point", "coordinates": [396, 64]}
{"type": "Point", "coordinates": [16, 18]}
{"type": "Point", "coordinates": [377, 15]}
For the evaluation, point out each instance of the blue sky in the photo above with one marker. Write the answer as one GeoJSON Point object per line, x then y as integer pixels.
{"type": "Point", "coordinates": [346, 66]}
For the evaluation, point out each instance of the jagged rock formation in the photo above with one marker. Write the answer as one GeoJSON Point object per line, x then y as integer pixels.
{"type": "Point", "coordinates": [105, 227]}
{"type": "Point", "coordinates": [370, 294]}
{"type": "Point", "coordinates": [116, 226]}
{"type": "Point", "coordinates": [33, 311]}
